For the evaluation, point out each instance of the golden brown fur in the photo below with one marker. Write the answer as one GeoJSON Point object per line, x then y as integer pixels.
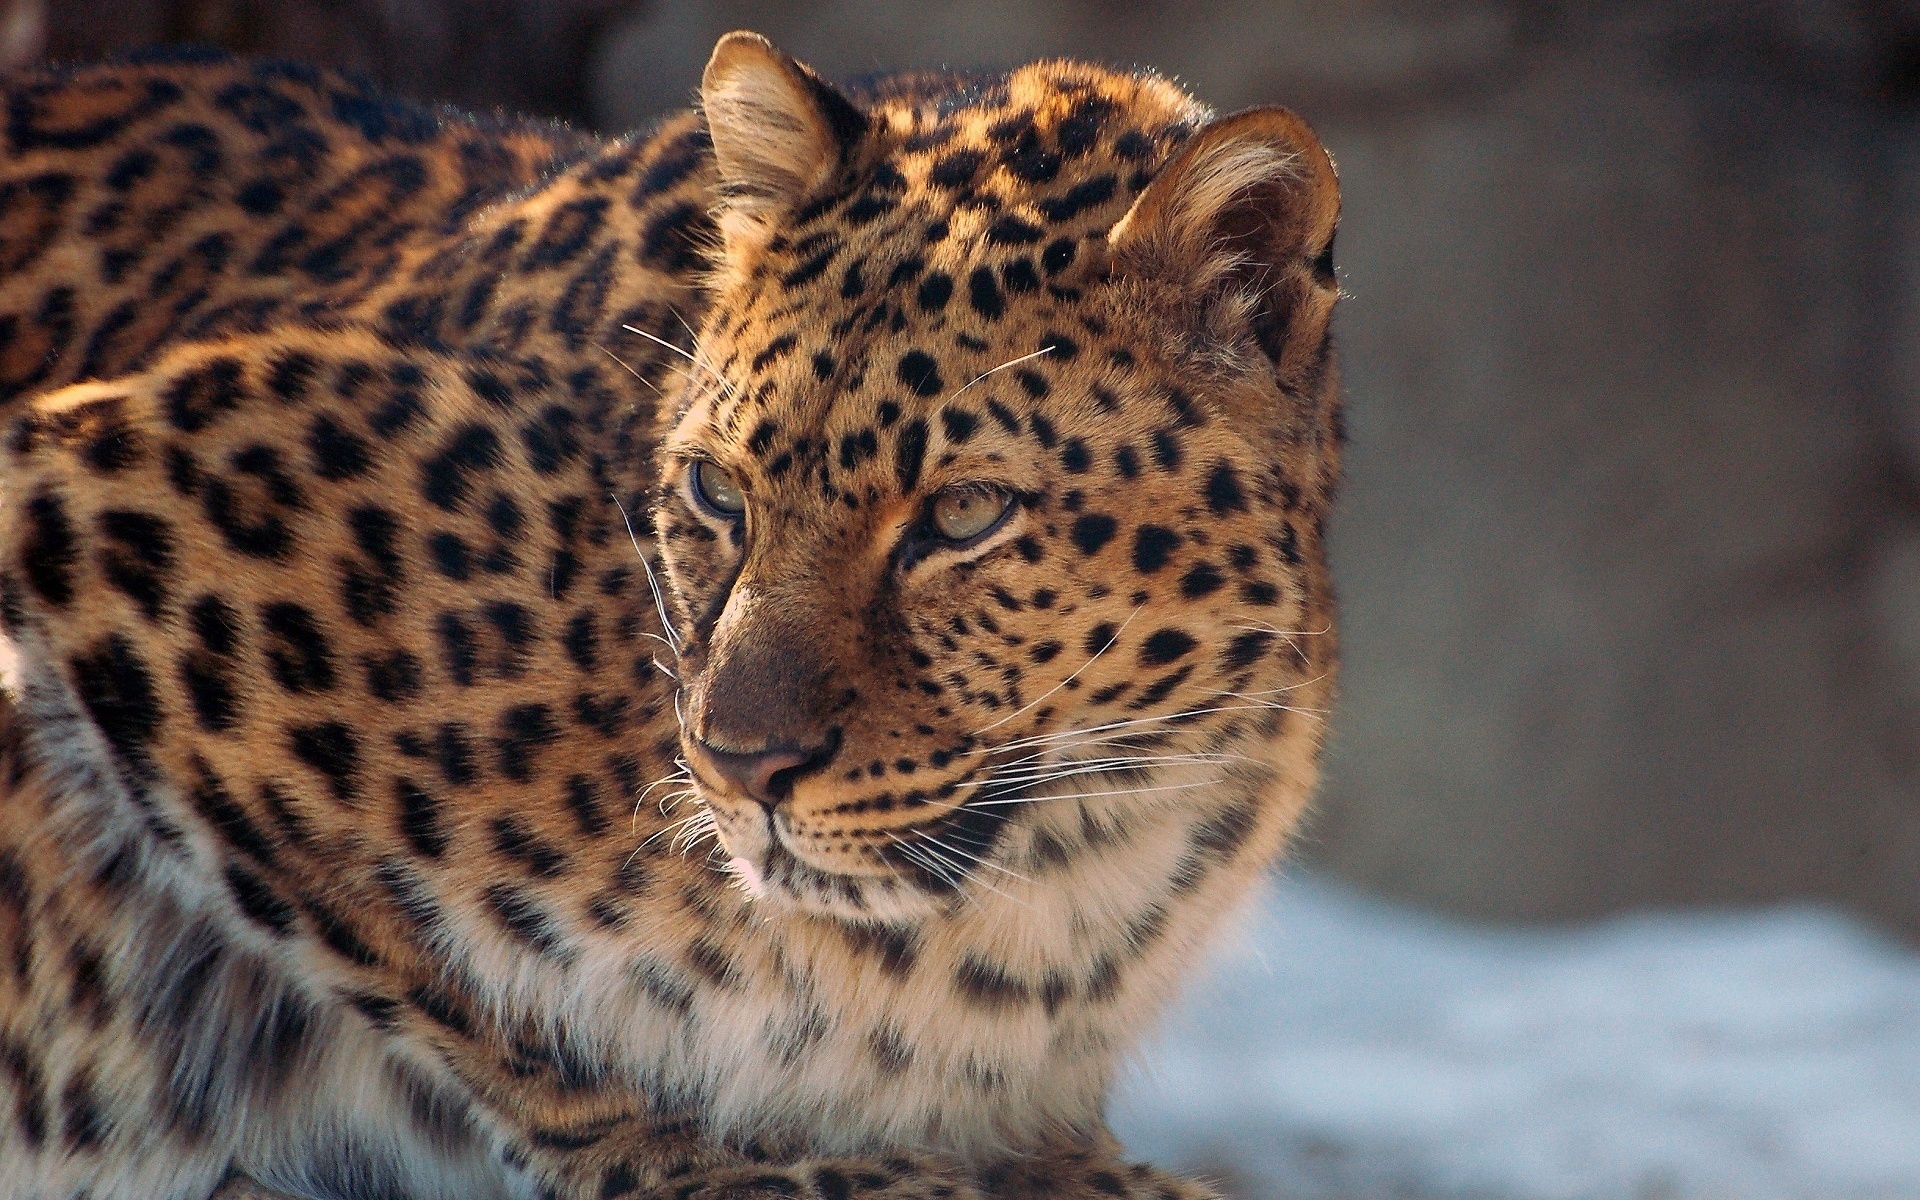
{"type": "Point", "coordinates": [389, 720]}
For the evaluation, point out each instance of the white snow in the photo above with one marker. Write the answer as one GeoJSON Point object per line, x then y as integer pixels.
{"type": "Point", "coordinates": [1345, 1047]}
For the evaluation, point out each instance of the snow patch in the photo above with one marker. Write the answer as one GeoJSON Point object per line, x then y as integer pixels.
{"type": "Point", "coordinates": [1345, 1047]}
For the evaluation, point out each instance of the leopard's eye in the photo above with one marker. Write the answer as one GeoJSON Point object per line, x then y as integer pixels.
{"type": "Point", "coordinates": [961, 514]}
{"type": "Point", "coordinates": [718, 490]}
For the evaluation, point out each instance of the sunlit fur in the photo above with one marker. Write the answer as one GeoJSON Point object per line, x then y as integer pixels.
{"type": "Point", "coordinates": [368, 664]}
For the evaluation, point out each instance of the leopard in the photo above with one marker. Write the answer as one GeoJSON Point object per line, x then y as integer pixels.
{"type": "Point", "coordinates": [752, 658]}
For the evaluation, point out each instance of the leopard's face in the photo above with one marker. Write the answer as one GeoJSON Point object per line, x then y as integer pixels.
{"type": "Point", "coordinates": [963, 519]}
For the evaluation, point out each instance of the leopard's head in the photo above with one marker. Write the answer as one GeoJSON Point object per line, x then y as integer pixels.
{"type": "Point", "coordinates": [992, 507]}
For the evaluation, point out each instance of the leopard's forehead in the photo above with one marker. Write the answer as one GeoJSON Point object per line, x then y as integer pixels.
{"type": "Point", "coordinates": [963, 238]}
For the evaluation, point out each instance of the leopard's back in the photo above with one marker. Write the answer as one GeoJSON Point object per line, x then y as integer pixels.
{"type": "Point", "coordinates": [179, 195]}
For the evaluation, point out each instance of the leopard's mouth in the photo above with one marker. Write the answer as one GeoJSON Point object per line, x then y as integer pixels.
{"type": "Point", "coordinates": [760, 853]}
{"type": "Point", "coordinates": [865, 867]}
{"type": "Point", "coordinates": [773, 873]}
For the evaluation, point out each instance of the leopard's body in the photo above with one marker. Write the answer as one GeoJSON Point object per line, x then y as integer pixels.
{"type": "Point", "coordinates": [376, 676]}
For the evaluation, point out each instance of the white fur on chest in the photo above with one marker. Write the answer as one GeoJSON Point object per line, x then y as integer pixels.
{"type": "Point", "coordinates": [832, 1049]}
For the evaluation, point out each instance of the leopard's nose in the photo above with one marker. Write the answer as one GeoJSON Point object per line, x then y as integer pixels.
{"type": "Point", "coordinates": [766, 775]}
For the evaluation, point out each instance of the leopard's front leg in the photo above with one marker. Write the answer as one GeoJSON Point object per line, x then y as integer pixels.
{"type": "Point", "coordinates": [1096, 1172]}
{"type": "Point", "coordinates": [685, 1168]}
{"type": "Point", "coordinates": [1079, 1175]}
{"type": "Point", "coordinates": [667, 1160]}
{"type": "Point", "coordinates": [238, 1187]}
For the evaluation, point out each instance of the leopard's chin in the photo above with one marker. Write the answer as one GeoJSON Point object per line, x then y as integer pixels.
{"type": "Point", "coordinates": [779, 879]}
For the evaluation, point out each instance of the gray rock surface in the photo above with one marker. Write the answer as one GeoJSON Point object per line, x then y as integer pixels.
{"type": "Point", "coordinates": [524, 56]}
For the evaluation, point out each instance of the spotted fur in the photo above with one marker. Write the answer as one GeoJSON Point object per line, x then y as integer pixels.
{"type": "Point", "coordinates": [415, 786]}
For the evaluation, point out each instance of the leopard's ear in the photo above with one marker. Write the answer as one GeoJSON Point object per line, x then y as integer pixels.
{"type": "Point", "coordinates": [1243, 216]}
{"type": "Point", "coordinates": [779, 131]}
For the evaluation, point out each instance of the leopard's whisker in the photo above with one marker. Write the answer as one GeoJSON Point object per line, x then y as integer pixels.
{"type": "Point", "coordinates": [679, 774]}
{"type": "Point", "coordinates": [1066, 735]}
{"type": "Point", "coordinates": [966, 856]}
{"type": "Point", "coordinates": [664, 830]}
{"type": "Point", "coordinates": [1043, 738]}
{"type": "Point", "coordinates": [623, 362]}
{"type": "Point", "coordinates": [1170, 787]}
{"type": "Point", "coordinates": [950, 873]}
{"type": "Point", "coordinates": [1291, 687]}
{"type": "Point", "coordinates": [1258, 626]}
{"type": "Point", "coordinates": [1010, 786]}
{"type": "Point", "coordinates": [1123, 741]}
{"type": "Point", "coordinates": [1051, 758]}
{"type": "Point", "coordinates": [999, 769]}
{"type": "Point", "coordinates": [1111, 643]}
{"type": "Point", "coordinates": [657, 834]}
{"type": "Point", "coordinates": [925, 862]}
{"type": "Point", "coordinates": [1312, 714]}
{"type": "Point", "coordinates": [689, 356]}
{"type": "Point", "coordinates": [692, 829]}
{"type": "Point", "coordinates": [653, 584]}
{"type": "Point", "coordinates": [1012, 362]}
{"type": "Point", "coordinates": [1285, 635]}
{"type": "Point", "coordinates": [941, 849]}
{"type": "Point", "coordinates": [1071, 767]}
{"type": "Point", "coordinates": [690, 330]}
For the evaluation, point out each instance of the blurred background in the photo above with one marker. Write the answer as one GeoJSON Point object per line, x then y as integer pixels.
{"type": "Point", "coordinates": [1629, 551]}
